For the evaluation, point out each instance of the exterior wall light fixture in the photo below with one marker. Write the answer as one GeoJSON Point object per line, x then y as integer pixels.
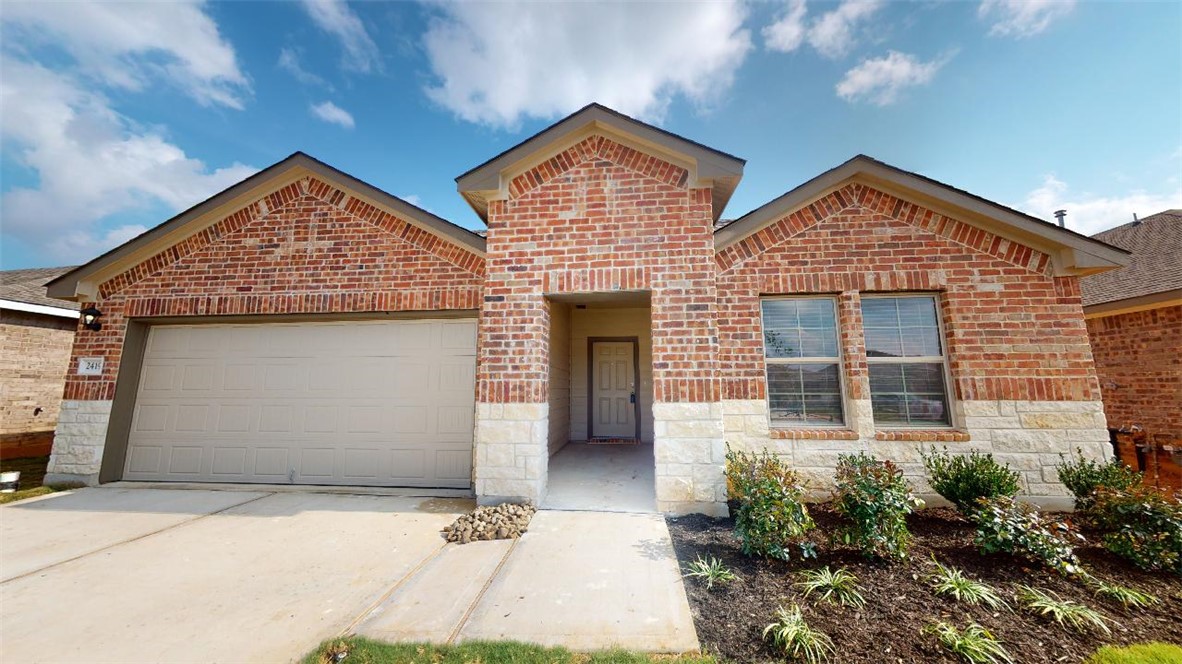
{"type": "Point", "coordinates": [90, 316]}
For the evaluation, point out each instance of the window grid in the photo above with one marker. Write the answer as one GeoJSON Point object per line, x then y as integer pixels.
{"type": "Point", "coordinates": [919, 360]}
{"type": "Point", "coordinates": [834, 360]}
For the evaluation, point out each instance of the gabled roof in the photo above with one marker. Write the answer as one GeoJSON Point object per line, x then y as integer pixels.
{"type": "Point", "coordinates": [708, 166]}
{"type": "Point", "coordinates": [82, 282]}
{"type": "Point", "coordinates": [1156, 267]}
{"type": "Point", "coordinates": [1070, 252]}
{"type": "Point", "coordinates": [24, 290]}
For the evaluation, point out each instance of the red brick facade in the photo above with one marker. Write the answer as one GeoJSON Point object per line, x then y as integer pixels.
{"type": "Point", "coordinates": [1013, 331]}
{"type": "Point", "coordinates": [307, 248]}
{"type": "Point", "coordinates": [599, 217]}
{"type": "Point", "coordinates": [1139, 363]}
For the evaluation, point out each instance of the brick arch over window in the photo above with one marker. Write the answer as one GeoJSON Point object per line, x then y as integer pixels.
{"type": "Point", "coordinates": [1013, 331]}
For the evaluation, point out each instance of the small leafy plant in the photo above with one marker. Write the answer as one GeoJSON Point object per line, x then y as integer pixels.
{"type": "Point", "coordinates": [1006, 525]}
{"type": "Point", "coordinates": [952, 582]}
{"type": "Point", "coordinates": [875, 500]}
{"type": "Point", "coordinates": [975, 644]}
{"type": "Point", "coordinates": [1130, 598]}
{"type": "Point", "coordinates": [772, 516]}
{"type": "Point", "coordinates": [1143, 525]}
{"type": "Point", "coordinates": [793, 636]}
{"type": "Point", "coordinates": [964, 479]}
{"type": "Point", "coordinates": [840, 587]}
{"type": "Point", "coordinates": [1083, 476]}
{"type": "Point", "coordinates": [1065, 612]}
{"type": "Point", "coordinates": [711, 570]}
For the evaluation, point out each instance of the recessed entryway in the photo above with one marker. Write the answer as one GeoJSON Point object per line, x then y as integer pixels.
{"type": "Point", "coordinates": [606, 478]}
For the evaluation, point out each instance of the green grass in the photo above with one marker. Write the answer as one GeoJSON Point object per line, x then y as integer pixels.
{"type": "Point", "coordinates": [839, 587]}
{"type": "Point", "coordinates": [975, 644]}
{"type": "Point", "coordinates": [1130, 598]}
{"type": "Point", "coordinates": [1141, 653]}
{"type": "Point", "coordinates": [793, 636]}
{"type": "Point", "coordinates": [1065, 612]}
{"type": "Point", "coordinates": [32, 473]}
{"type": "Point", "coordinates": [366, 651]}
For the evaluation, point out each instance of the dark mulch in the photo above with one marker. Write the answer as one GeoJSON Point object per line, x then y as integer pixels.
{"type": "Point", "coordinates": [899, 604]}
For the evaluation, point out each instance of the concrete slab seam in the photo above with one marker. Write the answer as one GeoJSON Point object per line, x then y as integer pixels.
{"type": "Point", "coordinates": [134, 539]}
{"type": "Point", "coordinates": [455, 633]}
{"type": "Point", "coordinates": [394, 588]}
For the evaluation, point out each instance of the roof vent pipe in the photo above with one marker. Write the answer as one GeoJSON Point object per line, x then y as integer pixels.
{"type": "Point", "coordinates": [1135, 219]}
{"type": "Point", "coordinates": [1061, 215]}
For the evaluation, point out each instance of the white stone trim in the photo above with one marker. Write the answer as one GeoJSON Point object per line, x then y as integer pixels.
{"type": "Point", "coordinates": [62, 312]}
{"type": "Point", "coordinates": [512, 452]}
{"type": "Point", "coordinates": [78, 441]}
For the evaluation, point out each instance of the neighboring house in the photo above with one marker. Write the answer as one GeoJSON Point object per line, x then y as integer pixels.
{"type": "Point", "coordinates": [306, 327]}
{"type": "Point", "coordinates": [36, 334]}
{"type": "Point", "coordinates": [1134, 318]}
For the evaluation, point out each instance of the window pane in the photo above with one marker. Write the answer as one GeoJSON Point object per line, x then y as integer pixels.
{"type": "Point", "coordinates": [909, 394]}
{"type": "Point", "coordinates": [901, 327]}
{"type": "Point", "coordinates": [804, 394]}
{"type": "Point", "coordinates": [799, 328]}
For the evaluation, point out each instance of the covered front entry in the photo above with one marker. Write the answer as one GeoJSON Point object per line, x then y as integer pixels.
{"type": "Point", "coordinates": [374, 403]}
{"type": "Point", "coordinates": [600, 410]}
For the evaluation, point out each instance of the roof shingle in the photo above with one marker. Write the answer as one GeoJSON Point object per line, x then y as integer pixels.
{"type": "Point", "coordinates": [1156, 267]}
{"type": "Point", "coordinates": [28, 286]}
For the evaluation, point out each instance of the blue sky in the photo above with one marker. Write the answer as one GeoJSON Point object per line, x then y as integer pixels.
{"type": "Point", "coordinates": [113, 117]}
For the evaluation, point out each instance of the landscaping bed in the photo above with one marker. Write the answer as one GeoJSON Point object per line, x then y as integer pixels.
{"type": "Point", "coordinates": [899, 604]}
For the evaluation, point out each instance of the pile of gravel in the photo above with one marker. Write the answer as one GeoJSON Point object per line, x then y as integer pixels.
{"type": "Point", "coordinates": [505, 521]}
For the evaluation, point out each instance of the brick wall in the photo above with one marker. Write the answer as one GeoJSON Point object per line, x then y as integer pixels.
{"type": "Point", "coordinates": [1139, 363]}
{"type": "Point", "coordinates": [597, 217]}
{"type": "Point", "coordinates": [1022, 375]}
{"type": "Point", "coordinates": [34, 353]}
{"type": "Point", "coordinates": [307, 248]}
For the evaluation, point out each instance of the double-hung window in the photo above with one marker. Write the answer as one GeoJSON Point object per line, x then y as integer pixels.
{"type": "Point", "coordinates": [803, 365]}
{"type": "Point", "coordinates": [906, 358]}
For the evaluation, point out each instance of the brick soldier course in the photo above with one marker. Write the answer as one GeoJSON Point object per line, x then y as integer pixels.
{"type": "Point", "coordinates": [600, 205]}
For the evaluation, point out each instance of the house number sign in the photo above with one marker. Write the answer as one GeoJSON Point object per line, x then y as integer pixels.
{"type": "Point", "coordinates": [90, 366]}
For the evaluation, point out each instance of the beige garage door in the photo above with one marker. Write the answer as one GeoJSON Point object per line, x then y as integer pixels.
{"type": "Point", "coordinates": [375, 403]}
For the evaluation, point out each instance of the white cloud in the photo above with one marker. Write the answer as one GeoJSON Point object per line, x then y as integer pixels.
{"type": "Point", "coordinates": [333, 114]}
{"type": "Point", "coordinates": [127, 45]}
{"type": "Point", "coordinates": [335, 18]}
{"type": "Point", "coordinates": [881, 80]}
{"type": "Point", "coordinates": [1022, 18]}
{"type": "Point", "coordinates": [833, 34]}
{"type": "Point", "coordinates": [91, 162]}
{"type": "Point", "coordinates": [788, 32]}
{"type": "Point", "coordinates": [289, 61]}
{"type": "Point", "coordinates": [1090, 213]}
{"type": "Point", "coordinates": [497, 63]}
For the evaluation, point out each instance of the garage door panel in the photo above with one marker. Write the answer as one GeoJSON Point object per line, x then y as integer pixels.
{"type": "Point", "coordinates": [375, 403]}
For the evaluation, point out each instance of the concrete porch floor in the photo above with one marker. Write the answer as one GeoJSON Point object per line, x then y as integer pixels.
{"type": "Point", "coordinates": [602, 478]}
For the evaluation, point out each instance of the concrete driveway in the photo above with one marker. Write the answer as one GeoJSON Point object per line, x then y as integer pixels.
{"type": "Point", "coordinates": [190, 575]}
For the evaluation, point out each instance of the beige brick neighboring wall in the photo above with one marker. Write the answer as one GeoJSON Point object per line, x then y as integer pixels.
{"type": "Point", "coordinates": [34, 354]}
{"type": "Point", "coordinates": [1028, 436]}
{"type": "Point", "coordinates": [78, 443]}
{"type": "Point", "coordinates": [511, 452]}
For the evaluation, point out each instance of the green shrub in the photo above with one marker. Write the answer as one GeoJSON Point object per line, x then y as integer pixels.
{"type": "Point", "coordinates": [974, 645]}
{"type": "Point", "coordinates": [875, 501]}
{"type": "Point", "coordinates": [963, 479]}
{"type": "Point", "coordinates": [1082, 476]}
{"type": "Point", "coordinates": [1009, 526]}
{"type": "Point", "coordinates": [1142, 525]}
{"type": "Point", "coordinates": [793, 636]}
{"type": "Point", "coordinates": [771, 517]}
{"type": "Point", "coordinates": [1140, 653]}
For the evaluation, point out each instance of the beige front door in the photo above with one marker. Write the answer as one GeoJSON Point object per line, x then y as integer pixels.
{"type": "Point", "coordinates": [613, 389]}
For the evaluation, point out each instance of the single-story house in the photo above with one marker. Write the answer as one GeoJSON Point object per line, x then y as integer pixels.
{"type": "Point", "coordinates": [36, 334]}
{"type": "Point", "coordinates": [306, 327]}
{"type": "Point", "coordinates": [1134, 318]}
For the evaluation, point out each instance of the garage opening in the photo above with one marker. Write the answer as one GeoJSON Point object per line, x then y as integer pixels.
{"type": "Point", "coordinates": [359, 403]}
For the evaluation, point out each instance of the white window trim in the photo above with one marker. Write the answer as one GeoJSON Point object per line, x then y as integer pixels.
{"type": "Point", "coordinates": [949, 393]}
{"type": "Point", "coordinates": [840, 360]}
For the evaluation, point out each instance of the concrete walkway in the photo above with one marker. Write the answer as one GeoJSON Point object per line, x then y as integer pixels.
{"type": "Point", "coordinates": [136, 574]}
